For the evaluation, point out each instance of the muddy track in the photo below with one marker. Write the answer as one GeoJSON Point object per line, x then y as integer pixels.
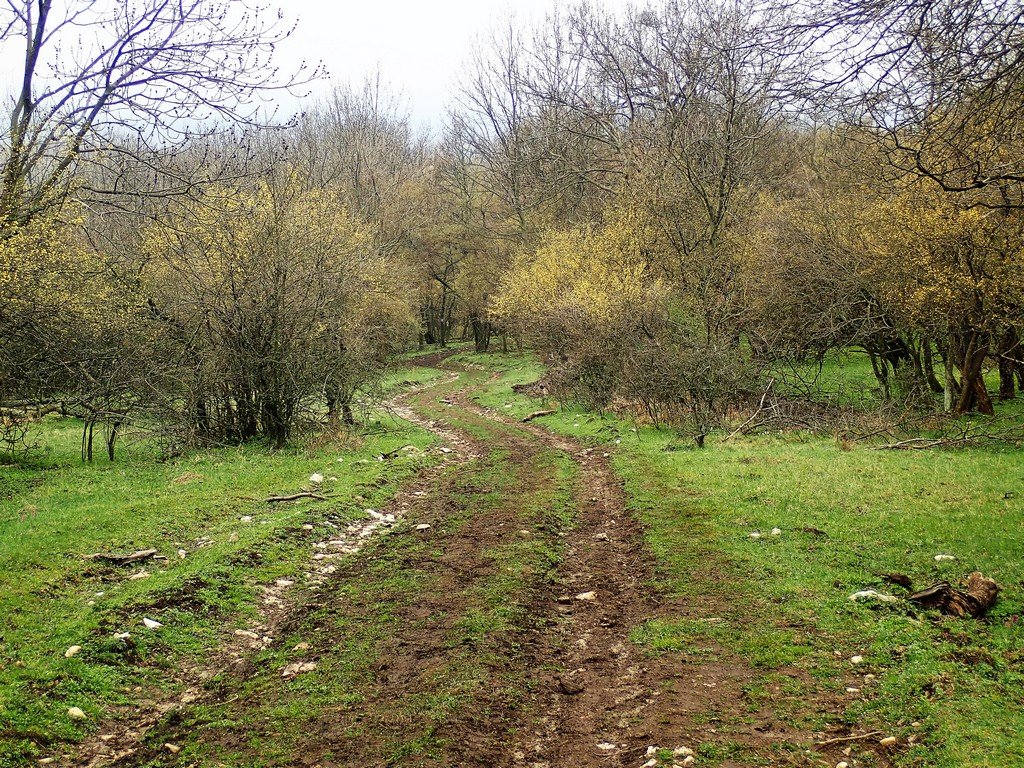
{"type": "Point", "coordinates": [561, 684]}
{"type": "Point", "coordinates": [601, 699]}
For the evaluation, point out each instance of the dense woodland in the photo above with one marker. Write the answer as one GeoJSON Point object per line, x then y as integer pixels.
{"type": "Point", "coordinates": [678, 208]}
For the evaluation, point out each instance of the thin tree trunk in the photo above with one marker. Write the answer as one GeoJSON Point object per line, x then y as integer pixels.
{"type": "Point", "coordinates": [112, 438]}
{"type": "Point", "coordinates": [929, 366]}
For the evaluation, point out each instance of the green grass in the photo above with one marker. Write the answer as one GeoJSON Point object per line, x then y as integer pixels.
{"type": "Point", "coordinates": [54, 510]}
{"type": "Point", "coordinates": [784, 599]}
{"type": "Point", "coordinates": [778, 601]}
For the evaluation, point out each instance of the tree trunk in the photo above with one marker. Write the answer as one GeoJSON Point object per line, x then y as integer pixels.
{"type": "Point", "coordinates": [978, 594]}
{"type": "Point", "coordinates": [951, 387]}
{"type": "Point", "coordinates": [87, 434]}
{"type": "Point", "coordinates": [481, 329]}
{"type": "Point", "coordinates": [881, 371]}
{"type": "Point", "coordinates": [112, 438]}
{"type": "Point", "coordinates": [973, 394]}
{"type": "Point", "coordinates": [1009, 364]}
{"type": "Point", "coordinates": [929, 367]}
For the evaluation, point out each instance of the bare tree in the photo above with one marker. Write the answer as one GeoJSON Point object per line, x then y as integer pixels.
{"type": "Point", "coordinates": [940, 81]}
{"type": "Point", "coordinates": [137, 78]}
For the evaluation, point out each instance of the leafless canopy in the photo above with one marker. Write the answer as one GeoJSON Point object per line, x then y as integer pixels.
{"type": "Point", "coordinates": [941, 80]}
{"type": "Point", "coordinates": [102, 78]}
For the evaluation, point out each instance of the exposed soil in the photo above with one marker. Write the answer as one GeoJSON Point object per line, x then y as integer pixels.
{"type": "Point", "coordinates": [564, 687]}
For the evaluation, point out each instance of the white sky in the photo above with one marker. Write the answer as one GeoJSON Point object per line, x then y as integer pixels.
{"type": "Point", "coordinates": [418, 45]}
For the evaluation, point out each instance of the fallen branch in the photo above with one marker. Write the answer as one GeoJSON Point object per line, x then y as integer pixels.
{"type": "Point", "coordinates": [294, 496]}
{"type": "Point", "coordinates": [760, 407]}
{"type": "Point", "coordinates": [134, 557]}
{"type": "Point", "coordinates": [536, 415]}
{"type": "Point", "coordinates": [922, 443]}
{"type": "Point", "coordinates": [964, 436]}
{"type": "Point", "coordinates": [843, 739]}
{"type": "Point", "coordinates": [979, 593]}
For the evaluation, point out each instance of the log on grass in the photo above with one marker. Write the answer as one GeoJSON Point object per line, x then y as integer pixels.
{"type": "Point", "coordinates": [536, 415]}
{"type": "Point", "coordinates": [133, 557]}
{"type": "Point", "coordinates": [295, 496]}
{"type": "Point", "coordinates": [973, 598]}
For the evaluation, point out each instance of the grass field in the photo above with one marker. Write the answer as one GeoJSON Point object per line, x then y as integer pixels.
{"type": "Point", "coordinates": [845, 516]}
{"type": "Point", "coordinates": [830, 517]}
{"type": "Point", "coordinates": [208, 505]}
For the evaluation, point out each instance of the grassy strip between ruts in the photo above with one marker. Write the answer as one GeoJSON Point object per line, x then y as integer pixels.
{"type": "Point", "coordinates": [208, 504]}
{"type": "Point", "coordinates": [956, 687]}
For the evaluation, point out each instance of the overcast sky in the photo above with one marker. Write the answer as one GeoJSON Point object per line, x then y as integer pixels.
{"type": "Point", "coordinates": [419, 46]}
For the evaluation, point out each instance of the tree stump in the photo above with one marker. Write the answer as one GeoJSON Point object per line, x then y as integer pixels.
{"type": "Point", "coordinates": [977, 594]}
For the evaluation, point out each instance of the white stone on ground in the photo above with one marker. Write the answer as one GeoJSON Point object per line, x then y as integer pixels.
{"type": "Point", "coordinates": [871, 594]}
{"type": "Point", "coordinates": [298, 668]}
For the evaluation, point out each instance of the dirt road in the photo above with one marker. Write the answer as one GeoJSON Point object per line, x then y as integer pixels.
{"type": "Point", "coordinates": [488, 625]}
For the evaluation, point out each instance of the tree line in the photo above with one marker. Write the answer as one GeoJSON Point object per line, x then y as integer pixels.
{"type": "Point", "coordinates": [680, 207]}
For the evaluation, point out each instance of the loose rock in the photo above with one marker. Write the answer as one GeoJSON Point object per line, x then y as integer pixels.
{"type": "Point", "coordinates": [888, 741]}
{"type": "Point", "coordinates": [587, 596]}
{"type": "Point", "coordinates": [76, 714]}
{"type": "Point", "coordinates": [298, 668]}
{"type": "Point", "coordinates": [871, 594]}
{"type": "Point", "coordinates": [151, 623]}
{"type": "Point", "coordinates": [74, 649]}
